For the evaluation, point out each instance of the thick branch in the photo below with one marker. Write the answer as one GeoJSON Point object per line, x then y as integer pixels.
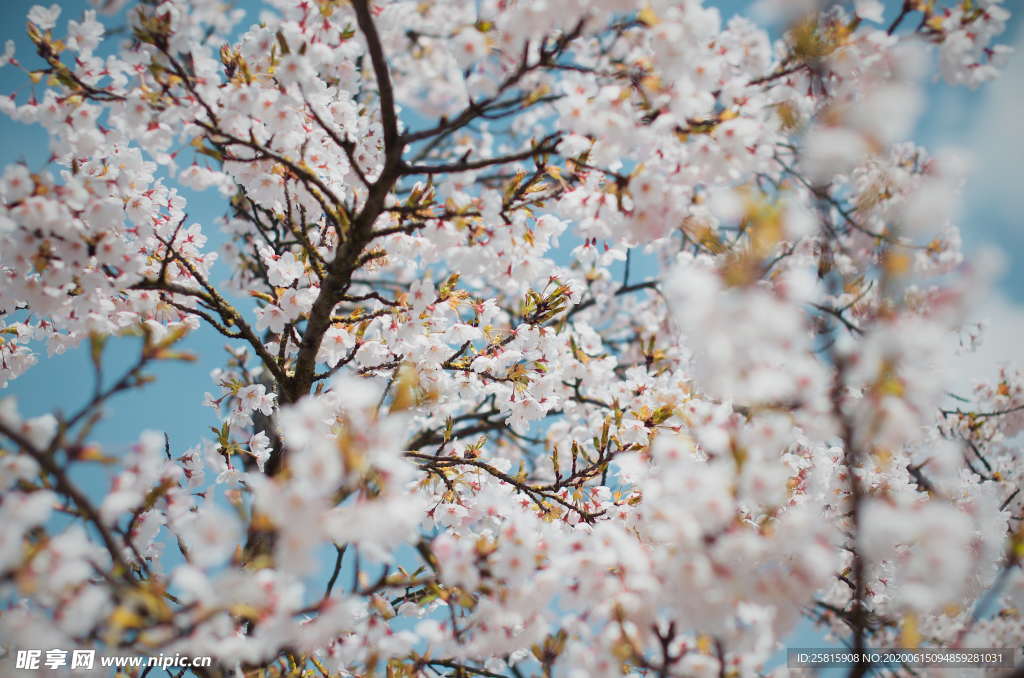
{"type": "Point", "coordinates": [392, 142]}
{"type": "Point", "coordinates": [348, 257]}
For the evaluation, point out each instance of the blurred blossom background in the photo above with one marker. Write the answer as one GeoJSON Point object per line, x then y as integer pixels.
{"type": "Point", "coordinates": [984, 126]}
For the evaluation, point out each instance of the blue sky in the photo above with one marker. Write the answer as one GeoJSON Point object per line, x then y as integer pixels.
{"type": "Point", "coordinates": [986, 123]}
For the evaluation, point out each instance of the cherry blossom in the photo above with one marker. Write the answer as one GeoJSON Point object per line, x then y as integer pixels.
{"type": "Point", "coordinates": [578, 338]}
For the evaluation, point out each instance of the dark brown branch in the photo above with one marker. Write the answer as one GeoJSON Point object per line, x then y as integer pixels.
{"type": "Point", "coordinates": [983, 415]}
{"type": "Point", "coordinates": [348, 257]}
{"type": "Point", "coordinates": [625, 289]}
{"type": "Point", "coordinates": [393, 144]}
{"type": "Point", "coordinates": [546, 145]}
{"type": "Point", "coordinates": [858, 611]}
{"type": "Point", "coordinates": [536, 495]}
{"type": "Point", "coordinates": [68, 489]}
{"type": "Point", "coordinates": [908, 6]}
{"type": "Point", "coordinates": [228, 314]}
